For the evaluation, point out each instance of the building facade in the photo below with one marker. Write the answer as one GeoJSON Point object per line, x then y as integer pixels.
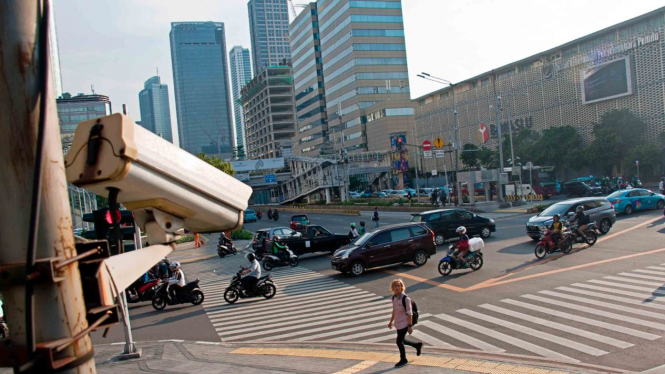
{"type": "Point", "coordinates": [269, 112]}
{"type": "Point", "coordinates": [241, 74]}
{"type": "Point", "coordinates": [312, 135]}
{"type": "Point", "coordinates": [571, 85]}
{"type": "Point", "coordinates": [269, 31]}
{"type": "Point", "coordinates": [155, 109]}
{"type": "Point", "coordinates": [365, 72]}
{"type": "Point", "coordinates": [54, 54]}
{"type": "Point", "coordinates": [73, 110]}
{"type": "Point", "coordinates": [202, 95]}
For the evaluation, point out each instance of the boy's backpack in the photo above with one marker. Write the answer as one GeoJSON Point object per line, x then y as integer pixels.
{"type": "Point", "coordinates": [414, 309]}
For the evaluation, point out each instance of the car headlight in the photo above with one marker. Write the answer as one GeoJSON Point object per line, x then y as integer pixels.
{"type": "Point", "coordinates": [491, 221]}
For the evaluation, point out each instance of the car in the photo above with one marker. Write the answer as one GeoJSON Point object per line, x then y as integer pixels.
{"type": "Point", "coordinates": [394, 244]}
{"type": "Point", "coordinates": [598, 209]}
{"type": "Point", "coordinates": [299, 222]}
{"type": "Point", "coordinates": [354, 195]}
{"type": "Point", "coordinates": [264, 236]}
{"type": "Point", "coordinates": [250, 215]}
{"type": "Point", "coordinates": [425, 192]}
{"type": "Point", "coordinates": [388, 191]}
{"type": "Point", "coordinates": [444, 223]}
{"type": "Point", "coordinates": [367, 194]}
{"type": "Point", "coordinates": [413, 192]}
{"type": "Point", "coordinates": [399, 193]}
{"type": "Point", "coordinates": [628, 201]}
{"type": "Point", "coordinates": [316, 239]}
{"type": "Point", "coordinates": [579, 188]}
{"type": "Point", "coordinates": [379, 194]}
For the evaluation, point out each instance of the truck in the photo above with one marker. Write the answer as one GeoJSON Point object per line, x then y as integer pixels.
{"type": "Point", "coordinates": [316, 239]}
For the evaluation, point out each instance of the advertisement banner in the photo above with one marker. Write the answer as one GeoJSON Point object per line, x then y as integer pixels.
{"type": "Point", "coordinates": [261, 164]}
{"type": "Point", "coordinates": [400, 157]}
{"type": "Point", "coordinates": [243, 177]}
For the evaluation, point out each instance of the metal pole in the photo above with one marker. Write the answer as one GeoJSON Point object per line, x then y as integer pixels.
{"type": "Point", "coordinates": [25, 93]}
{"type": "Point", "coordinates": [457, 184]}
{"type": "Point", "coordinates": [416, 159]}
{"type": "Point", "coordinates": [498, 129]}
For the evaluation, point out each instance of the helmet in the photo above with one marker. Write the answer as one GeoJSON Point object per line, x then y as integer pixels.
{"type": "Point", "coordinates": [251, 256]}
{"type": "Point", "coordinates": [174, 265]}
{"type": "Point", "coordinates": [461, 230]}
{"type": "Point", "coordinates": [275, 237]}
{"type": "Point", "coordinates": [362, 223]}
{"type": "Point", "coordinates": [556, 216]}
{"type": "Point", "coordinates": [353, 225]}
{"type": "Point", "coordinates": [579, 208]}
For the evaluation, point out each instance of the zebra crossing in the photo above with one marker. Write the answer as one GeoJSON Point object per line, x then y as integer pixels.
{"type": "Point", "coordinates": [569, 323]}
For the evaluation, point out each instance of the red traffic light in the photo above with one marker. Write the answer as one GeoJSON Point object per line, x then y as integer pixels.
{"type": "Point", "coordinates": [109, 219]}
{"type": "Point", "coordinates": [399, 140]}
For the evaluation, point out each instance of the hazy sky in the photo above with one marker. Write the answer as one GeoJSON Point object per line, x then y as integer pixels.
{"type": "Point", "coordinates": [116, 45]}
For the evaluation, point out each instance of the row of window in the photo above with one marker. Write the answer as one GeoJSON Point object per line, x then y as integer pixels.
{"type": "Point", "coordinates": [390, 112]}
{"type": "Point", "coordinates": [302, 34]}
{"type": "Point", "coordinates": [340, 84]}
{"type": "Point", "coordinates": [301, 82]}
{"type": "Point", "coordinates": [331, 21]}
{"type": "Point", "coordinates": [305, 68]}
{"type": "Point", "coordinates": [311, 125]}
{"type": "Point", "coordinates": [303, 20]}
{"type": "Point", "coordinates": [371, 18]}
{"type": "Point", "coordinates": [381, 90]}
{"type": "Point", "coordinates": [379, 47]}
{"type": "Point", "coordinates": [311, 113]}
{"type": "Point", "coordinates": [377, 33]}
{"type": "Point", "coordinates": [336, 30]}
{"type": "Point", "coordinates": [339, 56]}
{"type": "Point", "coordinates": [309, 102]}
{"type": "Point", "coordinates": [305, 45]}
{"type": "Point", "coordinates": [385, 75]}
{"type": "Point", "coordinates": [355, 135]}
{"type": "Point", "coordinates": [381, 61]}
{"type": "Point", "coordinates": [363, 4]}
{"type": "Point", "coordinates": [333, 103]}
{"type": "Point", "coordinates": [300, 60]}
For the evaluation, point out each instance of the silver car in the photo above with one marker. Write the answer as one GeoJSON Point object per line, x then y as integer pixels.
{"type": "Point", "coordinates": [598, 209]}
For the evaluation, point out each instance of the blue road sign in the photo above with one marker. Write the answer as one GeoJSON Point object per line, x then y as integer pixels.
{"type": "Point", "coordinates": [270, 178]}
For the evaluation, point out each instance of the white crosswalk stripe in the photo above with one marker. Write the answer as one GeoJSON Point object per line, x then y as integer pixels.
{"type": "Point", "coordinates": [570, 322]}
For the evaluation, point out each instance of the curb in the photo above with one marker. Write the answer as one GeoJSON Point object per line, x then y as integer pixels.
{"type": "Point", "coordinates": [536, 362]}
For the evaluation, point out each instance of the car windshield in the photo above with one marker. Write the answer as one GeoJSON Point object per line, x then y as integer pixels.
{"type": "Point", "coordinates": [416, 218]}
{"type": "Point", "coordinates": [616, 194]}
{"type": "Point", "coordinates": [555, 209]}
{"type": "Point", "coordinates": [362, 239]}
{"type": "Point", "coordinates": [249, 212]}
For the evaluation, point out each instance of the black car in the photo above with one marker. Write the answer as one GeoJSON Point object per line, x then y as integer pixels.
{"type": "Point", "coordinates": [578, 188]}
{"type": "Point", "coordinates": [444, 222]}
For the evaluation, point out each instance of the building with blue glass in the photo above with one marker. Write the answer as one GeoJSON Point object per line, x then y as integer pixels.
{"type": "Point", "coordinates": [202, 95]}
{"type": "Point", "coordinates": [155, 109]}
{"type": "Point", "coordinates": [241, 74]}
{"type": "Point", "coordinates": [269, 30]}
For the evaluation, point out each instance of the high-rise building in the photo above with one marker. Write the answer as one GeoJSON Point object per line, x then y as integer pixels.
{"type": "Point", "coordinates": [241, 74]}
{"type": "Point", "coordinates": [269, 30]}
{"type": "Point", "coordinates": [365, 72]}
{"type": "Point", "coordinates": [202, 97]}
{"type": "Point", "coordinates": [269, 112]}
{"type": "Point", "coordinates": [73, 110]}
{"type": "Point", "coordinates": [155, 109]}
{"type": "Point", "coordinates": [312, 138]}
{"type": "Point", "coordinates": [54, 54]}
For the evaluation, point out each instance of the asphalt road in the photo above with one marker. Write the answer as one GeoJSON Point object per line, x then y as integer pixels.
{"type": "Point", "coordinates": [600, 305]}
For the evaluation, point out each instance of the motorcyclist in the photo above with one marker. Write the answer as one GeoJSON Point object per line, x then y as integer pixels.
{"type": "Point", "coordinates": [462, 245]}
{"type": "Point", "coordinates": [279, 250]}
{"type": "Point", "coordinates": [224, 240]}
{"type": "Point", "coordinates": [253, 272]}
{"type": "Point", "coordinates": [275, 214]}
{"type": "Point", "coordinates": [557, 229]}
{"type": "Point", "coordinates": [353, 233]}
{"type": "Point", "coordinates": [177, 280]}
{"type": "Point", "coordinates": [269, 213]}
{"type": "Point", "coordinates": [362, 230]}
{"type": "Point", "coordinates": [258, 213]}
{"type": "Point", "coordinates": [581, 219]}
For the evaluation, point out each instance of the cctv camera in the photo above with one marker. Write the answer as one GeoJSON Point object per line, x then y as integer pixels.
{"type": "Point", "coordinates": [166, 187]}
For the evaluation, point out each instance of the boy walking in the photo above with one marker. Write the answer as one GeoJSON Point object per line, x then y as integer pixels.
{"type": "Point", "coordinates": [403, 320]}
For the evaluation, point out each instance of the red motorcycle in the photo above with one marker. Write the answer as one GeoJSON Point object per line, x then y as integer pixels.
{"type": "Point", "coordinates": [142, 290]}
{"type": "Point", "coordinates": [546, 244]}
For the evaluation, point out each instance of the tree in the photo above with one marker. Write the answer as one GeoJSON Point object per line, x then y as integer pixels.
{"type": "Point", "coordinates": [218, 163]}
{"type": "Point", "coordinates": [560, 147]}
{"type": "Point", "coordinates": [524, 144]}
{"type": "Point", "coordinates": [649, 157]}
{"type": "Point", "coordinates": [488, 158]}
{"type": "Point", "coordinates": [469, 156]}
{"type": "Point", "coordinates": [618, 132]}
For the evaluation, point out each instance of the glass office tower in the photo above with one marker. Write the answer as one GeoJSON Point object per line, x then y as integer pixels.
{"type": "Point", "coordinates": [269, 30]}
{"type": "Point", "coordinates": [241, 74]}
{"type": "Point", "coordinates": [155, 109]}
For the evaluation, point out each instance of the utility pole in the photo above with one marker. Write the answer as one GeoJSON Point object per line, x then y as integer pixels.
{"type": "Point", "coordinates": [415, 140]}
{"type": "Point", "coordinates": [457, 184]}
{"type": "Point", "coordinates": [498, 129]}
{"type": "Point", "coordinates": [39, 225]}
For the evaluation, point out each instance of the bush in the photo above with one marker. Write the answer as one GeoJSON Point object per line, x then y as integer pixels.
{"type": "Point", "coordinates": [185, 239]}
{"type": "Point", "coordinates": [320, 202]}
{"type": "Point", "coordinates": [465, 199]}
{"type": "Point", "coordinates": [541, 207]}
{"type": "Point", "coordinates": [242, 234]}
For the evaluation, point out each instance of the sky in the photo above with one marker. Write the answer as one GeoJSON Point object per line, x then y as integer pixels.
{"type": "Point", "coordinates": [116, 45]}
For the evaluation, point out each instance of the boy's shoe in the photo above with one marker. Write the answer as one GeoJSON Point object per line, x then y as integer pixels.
{"type": "Point", "coordinates": [401, 363]}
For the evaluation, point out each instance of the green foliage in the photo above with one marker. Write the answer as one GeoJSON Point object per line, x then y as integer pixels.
{"type": "Point", "coordinates": [488, 158]}
{"type": "Point", "coordinates": [242, 234]}
{"type": "Point", "coordinates": [618, 132]}
{"type": "Point", "coordinates": [185, 239]}
{"type": "Point", "coordinates": [465, 199]}
{"type": "Point", "coordinates": [218, 163]}
{"type": "Point", "coordinates": [649, 156]}
{"type": "Point", "coordinates": [469, 156]}
{"type": "Point", "coordinates": [560, 147]}
{"type": "Point", "coordinates": [525, 145]}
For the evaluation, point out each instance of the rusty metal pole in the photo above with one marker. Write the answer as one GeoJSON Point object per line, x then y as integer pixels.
{"type": "Point", "coordinates": [59, 311]}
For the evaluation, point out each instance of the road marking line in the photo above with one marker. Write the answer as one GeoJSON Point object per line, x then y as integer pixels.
{"type": "Point", "coordinates": [358, 367]}
{"type": "Point", "coordinates": [613, 298]}
{"type": "Point", "coordinates": [661, 279]}
{"type": "Point", "coordinates": [636, 281]}
{"type": "Point", "coordinates": [620, 317]}
{"type": "Point", "coordinates": [470, 340]}
{"type": "Point", "coordinates": [558, 326]}
{"type": "Point", "coordinates": [653, 296]}
{"type": "Point", "coordinates": [379, 338]}
{"type": "Point", "coordinates": [649, 272]}
{"type": "Point", "coordinates": [426, 338]}
{"type": "Point", "coordinates": [588, 321]}
{"type": "Point", "coordinates": [423, 280]}
{"type": "Point", "coordinates": [506, 338]}
{"type": "Point", "coordinates": [606, 305]}
{"type": "Point", "coordinates": [656, 268]}
{"type": "Point", "coordinates": [348, 337]}
{"type": "Point", "coordinates": [535, 333]}
{"type": "Point", "coordinates": [328, 327]}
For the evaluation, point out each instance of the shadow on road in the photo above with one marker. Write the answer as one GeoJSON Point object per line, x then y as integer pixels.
{"type": "Point", "coordinates": [167, 320]}
{"type": "Point", "coordinates": [524, 248]}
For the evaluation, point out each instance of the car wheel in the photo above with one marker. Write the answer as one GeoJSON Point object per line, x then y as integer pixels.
{"type": "Point", "coordinates": [231, 295]}
{"type": "Point", "coordinates": [445, 268]}
{"type": "Point", "coordinates": [605, 226]}
{"type": "Point", "coordinates": [420, 258]}
{"type": "Point", "coordinates": [661, 204]}
{"type": "Point", "coordinates": [197, 297]}
{"type": "Point", "coordinates": [485, 232]}
{"type": "Point", "coordinates": [628, 210]}
{"type": "Point", "coordinates": [158, 303]}
{"type": "Point", "coordinates": [357, 269]}
{"type": "Point", "coordinates": [439, 238]}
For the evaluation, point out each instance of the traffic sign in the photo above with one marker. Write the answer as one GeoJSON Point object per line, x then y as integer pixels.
{"type": "Point", "coordinates": [427, 145]}
{"type": "Point", "coordinates": [438, 143]}
{"type": "Point", "coordinates": [434, 172]}
{"type": "Point", "coordinates": [270, 178]}
{"type": "Point", "coordinates": [427, 154]}
{"type": "Point", "coordinates": [439, 153]}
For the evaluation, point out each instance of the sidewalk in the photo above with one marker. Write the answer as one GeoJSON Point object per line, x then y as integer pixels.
{"type": "Point", "coordinates": [181, 357]}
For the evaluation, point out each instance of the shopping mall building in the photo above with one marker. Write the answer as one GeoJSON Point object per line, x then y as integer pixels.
{"type": "Point", "coordinates": [622, 66]}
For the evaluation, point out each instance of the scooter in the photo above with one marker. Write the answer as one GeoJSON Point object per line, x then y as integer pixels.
{"type": "Point", "coordinates": [191, 293]}
{"type": "Point", "coordinates": [474, 259]}
{"type": "Point", "coordinates": [259, 215]}
{"type": "Point", "coordinates": [271, 261]}
{"type": "Point", "coordinates": [546, 244]}
{"type": "Point", "coordinates": [264, 287]}
{"type": "Point", "coordinates": [141, 290]}
{"type": "Point", "coordinates": [226, 247]}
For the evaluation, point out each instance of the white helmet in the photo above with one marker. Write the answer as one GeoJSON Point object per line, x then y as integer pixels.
{"type": "Point", "coordinates": [461, 230]}
{"type": "Point", "coordinates": [174, 265]}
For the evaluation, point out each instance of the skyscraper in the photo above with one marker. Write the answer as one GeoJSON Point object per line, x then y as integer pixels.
{"type": "Point", "coordinates": [269, 30]}
{"type": "Point", "coordinates": [202, 97]}
{"type": "Point", "coordinates": [155, 110]}
{"type": "Point", "coordinates": [241, 74]}
{"type": "Point", "coordinates": [73, 110]}
{"type": "Point", "coordinates": [365, 72]}
{"type": "Point", "coordinates": [54, 54]}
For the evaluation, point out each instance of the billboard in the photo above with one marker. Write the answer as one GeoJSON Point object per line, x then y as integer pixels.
{"type": "Point", "coordinates": [606, 81]}
{"type": "Point", "coordinates": [261, 164]}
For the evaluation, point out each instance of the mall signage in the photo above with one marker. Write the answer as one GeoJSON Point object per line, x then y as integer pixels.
{"type": "Point", "coordinates": [517, 125]}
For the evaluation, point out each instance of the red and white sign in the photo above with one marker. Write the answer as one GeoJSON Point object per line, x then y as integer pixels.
{"type": "Point", "coordinates": [427, 145]}
{"type": "Point", "coordinates": [483, 133]}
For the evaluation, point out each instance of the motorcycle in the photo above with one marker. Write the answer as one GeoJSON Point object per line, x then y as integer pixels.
{"type": "Point", "coordinates": [271, 261]}
{"type": "Point", "coordinates": [142, 290]}
{"type": "Point", "coordinates": [264, 287]}
{"type": "Point", "coordinates": [275, 215]}
{"type": "Point", "coordinates": [474, 260]}
{"type": "Point", "coordinates": [226, 247]}
{"type": "Point", "coordinates": [191, 293]}
{"type": "Point", "coordinates": [546, 244]}
{"type": "Point", "coordinates": [591, 233]}
{"type": "Point", "coordinates": [259, 215]}
{"type": "Point", "coordinates": [269, 214]}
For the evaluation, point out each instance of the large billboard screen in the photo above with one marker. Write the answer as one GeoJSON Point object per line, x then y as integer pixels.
{"type": "Point", "coordinates": [607, 81]}
{"type": "Point", "coordinates": [261, 164]}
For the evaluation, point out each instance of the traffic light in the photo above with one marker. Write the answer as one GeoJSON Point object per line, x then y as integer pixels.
{"type": "Point", "coordinates": [103, 220]}
{"type": "Point", "coordinates": [400, 145]}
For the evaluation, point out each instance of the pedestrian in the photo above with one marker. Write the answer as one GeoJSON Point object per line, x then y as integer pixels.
{"type": "Point", "coordinates": [443, 197]}
{"type": "Point", "coordinates": [661, 186]}
{"type": "Point", "coordinates": [408, 196]}
{"type": "Point", "coordinates": [491, 191]}
{"type": "Point", "coordinates": [403, 320]}
{"type": "Point", "coordinates": [197, 240]}
{"type": "Point", "coordinates": [375, 217]}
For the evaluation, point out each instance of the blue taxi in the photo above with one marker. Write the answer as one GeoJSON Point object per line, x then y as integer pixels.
{"type": "Point", "coordinates": [250, 215]}
{"type": "Point", "coordinates": [628, 201]}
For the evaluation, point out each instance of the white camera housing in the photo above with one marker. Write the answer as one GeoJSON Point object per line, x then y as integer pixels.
{"type": "Point", "coordinates": [163, 185]}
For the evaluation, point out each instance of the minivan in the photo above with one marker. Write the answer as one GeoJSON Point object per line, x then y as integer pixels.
{"type": "Point", "coordinates": [444, 223]}
{"type": "Point", "coordinates": [598, 209]}
{"type": "Point", "coordinates": [394, 244]}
